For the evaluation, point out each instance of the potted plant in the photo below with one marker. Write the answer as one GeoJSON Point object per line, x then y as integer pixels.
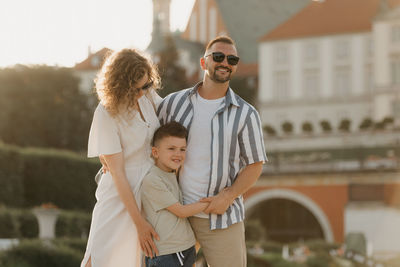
{"type": "Point", "coordinates": [287, 127]}
{"type": "Point", "coordinates": [366, 124]}
{"type": "Point", "coordinates": [344, 125]}
{"type": "Point", "coordinates": [307, 127]}
{"type": "Point", "coordinates": [326, 126]}
{"type": "Point", "coordinates": [269, 130]}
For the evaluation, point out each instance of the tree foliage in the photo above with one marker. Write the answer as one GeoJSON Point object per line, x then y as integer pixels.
{"type": "Point", "coordinates": [242, 87]}
{"type": "Point", "coordinates": [42, 106]}
{"type": "Point", "coordinates": [173, 75]}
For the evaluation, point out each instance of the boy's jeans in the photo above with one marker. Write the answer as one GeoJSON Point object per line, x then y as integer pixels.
{"type": "Point", "coordinates": [172, 260]}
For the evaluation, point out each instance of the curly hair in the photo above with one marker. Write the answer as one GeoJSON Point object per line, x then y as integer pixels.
{"type": "Point", "coordinates": [115, 82]}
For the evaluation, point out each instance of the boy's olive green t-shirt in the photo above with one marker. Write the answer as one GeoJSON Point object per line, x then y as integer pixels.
{"type": "Point", "coordinates": [160, 190]}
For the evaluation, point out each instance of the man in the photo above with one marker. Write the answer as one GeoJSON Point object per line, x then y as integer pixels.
{"type": "Point", "coordinates": [225, 153]}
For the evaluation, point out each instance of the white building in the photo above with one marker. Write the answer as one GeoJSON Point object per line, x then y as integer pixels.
{"type": "Point", "coordinates": [333, 61]}
{"type": "Point", "coordinates": [338, 61]}
{"type": "Point", "coordinates": [87, 69]}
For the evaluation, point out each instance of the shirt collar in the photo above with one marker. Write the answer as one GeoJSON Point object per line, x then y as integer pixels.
{"type": "Point", "coordinates": [170, 175]}
{"type": "Point", "coordinates": [230, 98]}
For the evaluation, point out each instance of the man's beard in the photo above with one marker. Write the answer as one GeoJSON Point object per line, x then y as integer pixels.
{"type": "Point", "coordinates": [217, 78]}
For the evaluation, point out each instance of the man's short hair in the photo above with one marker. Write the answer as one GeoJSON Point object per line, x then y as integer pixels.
{"type": "Point", "coordinates": [220, 39]}
{"type": "Point", "coordinates": [173, 128]}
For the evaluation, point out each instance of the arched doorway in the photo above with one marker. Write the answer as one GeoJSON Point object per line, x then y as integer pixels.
{"type": "Point", "coordinates": [286, 221]}
{"type": "Point", "coordinates": [288, 216]}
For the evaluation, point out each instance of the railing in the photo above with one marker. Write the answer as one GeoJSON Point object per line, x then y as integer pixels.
{"type": "Point", "coordinates": [349, 165]}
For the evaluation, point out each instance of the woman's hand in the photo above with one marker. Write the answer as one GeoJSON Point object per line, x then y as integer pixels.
{"type": "Point", "coordinates": [115, 164]}
{"type": "Point", "coordinates": [146, 234]}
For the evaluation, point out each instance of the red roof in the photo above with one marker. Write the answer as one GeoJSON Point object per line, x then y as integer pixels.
{"type": "Point", "coordinates": [246, 70]}
{"type": "Point", "coordinates": [93, 61]}
{"type": "Point", "coordinates": [329, 17]}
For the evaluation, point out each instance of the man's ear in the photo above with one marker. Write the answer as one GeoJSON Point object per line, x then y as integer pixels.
{"type": "Point", "coordinates": [154, 152]}
{"type": "Point", "coordinates": [203, 63]}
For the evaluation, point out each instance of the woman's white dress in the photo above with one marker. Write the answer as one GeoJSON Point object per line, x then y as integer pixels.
{"type": "Point", "coordinates": [113, 239]}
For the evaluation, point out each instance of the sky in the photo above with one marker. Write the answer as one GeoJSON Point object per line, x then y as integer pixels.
{"type": "Point", "coordinates": [60, 32]}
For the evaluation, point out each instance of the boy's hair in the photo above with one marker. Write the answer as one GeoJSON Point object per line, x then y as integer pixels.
{"type": "Point", "coordinates": [173, 129]}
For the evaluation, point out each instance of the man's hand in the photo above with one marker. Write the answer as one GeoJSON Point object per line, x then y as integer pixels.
{"type": "Point", "coordinates": [218, 203]}
{"type": "Point", "coordinates": [104, 164]}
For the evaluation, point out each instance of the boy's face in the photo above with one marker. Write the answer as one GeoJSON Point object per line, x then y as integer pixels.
{"type": "Point", "coordinates": [169, 153]}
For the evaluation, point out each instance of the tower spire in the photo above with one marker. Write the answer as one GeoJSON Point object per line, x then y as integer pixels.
{"type": "Point", "coordinates": [383, 6]}
{"type": "Point", "coordinates": [161, 18]}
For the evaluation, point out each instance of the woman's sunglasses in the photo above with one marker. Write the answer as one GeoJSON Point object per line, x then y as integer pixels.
{"type": "Point", "coordinates": [145, 87]}
{"type": "Point", "coordinates": [219, 57]}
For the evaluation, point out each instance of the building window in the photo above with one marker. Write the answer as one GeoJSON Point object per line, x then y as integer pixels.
{"type": "Point", "coordinates": [281, 55]}
{"type": "Point", "coordinates": [395, 65]}
{"type": "Point", "coordinates": [342, 49]}
{"type": "Point", "coordinates": [310, 52]}
{"type": "Point", "coordinates": [396, 34]}
{"type": "Point", "coordinates": [369, 47]}
{"type": "Point", "coordinates": [281, 85]}
{"type": "Point", "coordinates": [311, 84]}
{"type": "Point", "coordinates": [369, 79]}
{"type": "Point", "coordinates": [95, 61]}
{"type": "Point", "coordinates": [342, 82]}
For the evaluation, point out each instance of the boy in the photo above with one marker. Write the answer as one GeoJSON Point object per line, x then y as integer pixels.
{"type": "Point", "coordinates": [162, 198]}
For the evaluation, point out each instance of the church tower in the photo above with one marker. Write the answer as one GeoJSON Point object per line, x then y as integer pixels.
{"type": "Point", "coordinates": [161, 16]}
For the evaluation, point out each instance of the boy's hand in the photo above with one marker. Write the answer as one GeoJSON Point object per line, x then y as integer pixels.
{"type": "Point", "coordinates": [104, 164]}
{"type": "Point", "coordinates": [218, 203]}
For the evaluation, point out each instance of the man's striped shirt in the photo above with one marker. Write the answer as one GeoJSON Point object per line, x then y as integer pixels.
{"type": "Point", "coordinates": [236, 141]}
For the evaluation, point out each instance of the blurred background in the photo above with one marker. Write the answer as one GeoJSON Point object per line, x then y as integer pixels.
{"type": "Point", "coordinates": [324, 75]}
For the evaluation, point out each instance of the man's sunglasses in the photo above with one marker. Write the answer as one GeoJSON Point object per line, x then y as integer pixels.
{"type": "Point", "coordinates": [219, 57]}
{"type": "Point", "coordinates": [145, 87]}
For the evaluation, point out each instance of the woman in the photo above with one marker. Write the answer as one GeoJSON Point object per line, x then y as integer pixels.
{"type": "Point", "coordinates": [121, 131]}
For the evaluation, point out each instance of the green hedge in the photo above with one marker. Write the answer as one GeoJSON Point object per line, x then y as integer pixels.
{"type": "Point", "coordinates": [18, 224]}
{"type": "Point", "coordinates": [11, 182]}
{"type": "Point", "coordinates": [73, 224]}
{"type": "Point", "coordinates": [23, 224]}
{"type": "Point", "coordinates": [30, 177]}
{"type": "Point", "coordinates": [34, 253]}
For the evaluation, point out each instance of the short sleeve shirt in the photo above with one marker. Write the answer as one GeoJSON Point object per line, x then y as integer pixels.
{"type": "Point", "coordinates": [236, 141]}
{"type": "Point", "coordinates": [160, 190]}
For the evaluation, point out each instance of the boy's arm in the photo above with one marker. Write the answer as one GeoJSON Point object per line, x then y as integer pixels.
{"type": "Point", "coordinates": [184, 211]}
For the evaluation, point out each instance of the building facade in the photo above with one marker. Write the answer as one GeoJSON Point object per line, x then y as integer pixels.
{"type": "Point", "coordinates": [329, 101]}
{"type": "Point", "coordinates": [321, 66]}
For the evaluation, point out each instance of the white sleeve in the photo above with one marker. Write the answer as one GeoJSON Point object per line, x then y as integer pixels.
{"type": "Point", "coordinates": [156, 98]}
{"type": "Point", "coordinates": [104, 136]}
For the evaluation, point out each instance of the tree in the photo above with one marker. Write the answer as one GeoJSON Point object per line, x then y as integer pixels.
{"type": "Point", "coordinates": [255, 231]}
{"type": "Point", "coordinates": [42, 106]}
{"type": "Point", "coordinates": [242, 87]}
{"type": "Point", "coordinates": [173, 76]}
